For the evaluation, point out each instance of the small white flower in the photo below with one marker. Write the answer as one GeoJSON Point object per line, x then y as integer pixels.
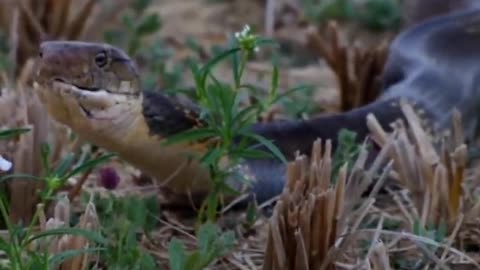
{"type": "Point", "coordinates": [246, 39]}
{"type": "Point", "coordinates": [5, 165]}
{"type": "Point", "coordinates": [244, 33]}
{"type": "Point", "coordinates": [246, 30]}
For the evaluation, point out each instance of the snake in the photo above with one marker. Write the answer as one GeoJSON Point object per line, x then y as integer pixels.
{"type": "Point", "coordinates": [95, 89]}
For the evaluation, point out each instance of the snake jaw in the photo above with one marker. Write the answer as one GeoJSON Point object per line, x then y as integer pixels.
{"type": "Point", "coordinates": [105, 106]}
{"type": "Point", "coordinates": [96, 115]}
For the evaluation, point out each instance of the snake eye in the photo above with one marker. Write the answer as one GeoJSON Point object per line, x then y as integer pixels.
{"type": "Point", "coordinates": [101, 59]}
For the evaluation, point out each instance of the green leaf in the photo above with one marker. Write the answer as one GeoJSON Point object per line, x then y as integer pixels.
{"type": "Point", "coordinates": [149, 25]}
{"type": "Point", "coordinates": [227, 100]}
{"type": "Point", "coordinates": [45, 152]}
{"type": "Point", "coordinates": [19, 175]}
{"type": "Point", "coordinates": [213, 245]}
{"type": "Point", "coordinates": [152, 207]}
{"type": "Point", "coordinates": [140, 5]}
{"type": "Point", "coordinates": [250, 153]}
{"type": "Point", "coordinates": [194, 45]}
{"type": "Point", "coordinates": [90, 164]}
{"type": "Point", "coordinates": [441, 232]}
{"type": "Point", "coordinates": [235, 68]}
{"type": "Point", "coordinates": [136, 212]}
{"type": "Point", "coordinates": [59, 258]}
{"type": "Point", "coordinates": [253, 89]}
{"type": "Point", "coordinates": [147, 262]}
{"type": "Point", "coordinates": [116, 37]}
{"type": "Point", "coordinates": [11, 133]}
{"type": "Point", "coordinates": [62, 168]}
{"type": "Point", "coordinates": [211, 156]}
{"type": "Point", "coordinates": [195, 261]}
{"type": "Point", "coordinates": [128, 21]}
{"type": "Point", "coordinates": [190, 135]}
{"type": "Point", "coordinates": [267, 144]}
{"type": "Point", "coordinates": [212, 206]}
{"type": "Point", "coordinates": [291, 91]}
{"type": "Point", "coordinates": [251, 213]}
{"type": "Point", "coordinates": [266, 41]}
{"type": "Point", "coordinates": [176, 254]}
{"type": "Point", "coordinates": [90, 235]}
{"type": "Point", "coordinates": [246, 116]}
{"type": "Point", "coordinates": [380, 15]}
{"type": "Point", "coordinates": [206, 236]}
{"type": "Point", "coordinates": [209, 66]}
{"type": "Point", "coordinates": [4, 246]}
{"type": "Point", "coordinates": [274, 90]}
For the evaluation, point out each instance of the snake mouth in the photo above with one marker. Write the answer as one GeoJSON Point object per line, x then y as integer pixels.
{"type": "Point", "coordinates": [61, 81]}
{"type": "Point", "coordinates": [80, 87]}
{"type": "Point", "coordinates": [85, 111]}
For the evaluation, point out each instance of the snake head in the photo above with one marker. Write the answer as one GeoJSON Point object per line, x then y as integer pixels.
{"type": "Point", "coordinates": [87, 66]}
{"type": "Point", "coordinates": [94, 88]}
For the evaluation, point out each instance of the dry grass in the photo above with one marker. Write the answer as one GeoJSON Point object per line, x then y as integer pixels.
{"type": "Point", "coordinates": [357, 68]}
{"type": "Point", "coordinates": [21, 108]}
{"type": "Point", "coordinates": [316, 226]}
{"type": "Point", "coordinates": [312, 214]}
{"type": "Point", "coordinates": [29, 22]}
{"type": "Point", "coordinates": [88, 220]}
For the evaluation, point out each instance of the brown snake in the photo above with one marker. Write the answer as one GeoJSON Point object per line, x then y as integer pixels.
{"type": "Point", "coordinates": [95, 90]}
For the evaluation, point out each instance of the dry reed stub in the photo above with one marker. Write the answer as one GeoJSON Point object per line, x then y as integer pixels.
{"type": "Point", "coordinates": [432, 169]}
{"type": "Point", "coordinates": [318, 223]}
{"type": "Point", "coordinates": [21, 108]}
{"type": "Point", "coordinates": [433, 173]}
{"type": "Point", "coordinates": [313, 211]}
{"type": "Point", "coordinates": [29, 22]}
{"type": "Point", "coordinates": [56, 244]}
{"type": "Point", "coordinates": [357, 69]}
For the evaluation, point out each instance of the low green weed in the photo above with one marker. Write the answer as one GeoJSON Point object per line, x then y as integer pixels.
{"type": "Point", "coordinates": [378, 15]}
{"type": "Point", "coordinates": [123, 221]}
{"type": "Point", "coordinates": [212, 244]}
{"type": "Point", "coordinates": [18, 246]}
{"type": "Point", "coordinates": [226, 120]}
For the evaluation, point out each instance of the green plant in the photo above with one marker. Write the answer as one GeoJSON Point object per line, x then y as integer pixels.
{"type": "Point", "coordinates": [322, 10]}
{"type": "Point", "coordinates": [20, 245]}
{"type": "Point", "coordinates": [347, 151]}
{"type": "Point", "coordinates": [11, 133]}
{"type": "Point", "coordinates": [122, 220]}
{"type": "Point", "coordinates": [380, 15]}
{"type": "Point", "coordinates": [226, 122]}
{"type": "Point", "coordinates": [138, 36]}
{"type": "Point", "coordinates": [211, 245]}
{"type": "Point", "coordinates": [157, 74]}
{"type": "Point", "coordinates": [377, 15]}
{"type": "Point", "coordinates": [136, 25]}
{"type": "Point", "coordinates": [438, 234]}
{"type": "Point", "coordinates": [56, 177]}
{"type": "Point", "coordinates": [4, 50]}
